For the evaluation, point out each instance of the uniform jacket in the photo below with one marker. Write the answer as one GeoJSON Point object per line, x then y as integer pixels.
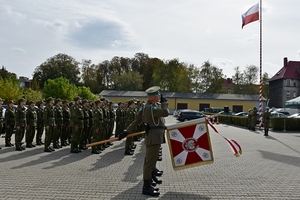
{"type": "Point", "coordinates": [98, 118]}
{"type": "Point", "coordinates": [10, 116]}
{"type": "Point", "coordinates": [58, 115]}
{"type": "Point", "coordinates": [40, 117]}
{"type": "Point", "coordinates": [66, 115]}
{"type": "Point", "coordinates": [77, 116]}
{"type": "Point", "coordinates": [31, 117]}
{"type": "Point", "coordinates": [49, 116]}
{"type": "Point", "coordinates": [153, 115]}
{"type": "Point", "coordinates": [20, 116]}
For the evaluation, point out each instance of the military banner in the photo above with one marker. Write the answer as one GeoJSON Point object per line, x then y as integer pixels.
{"type": "Point", "coordinates": [189, 144]}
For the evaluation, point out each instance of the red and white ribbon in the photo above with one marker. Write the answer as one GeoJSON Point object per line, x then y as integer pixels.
{"type": "Point", "coordinates": [235, 147]}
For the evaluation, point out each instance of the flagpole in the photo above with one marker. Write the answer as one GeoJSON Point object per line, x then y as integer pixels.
{"type": "Point", "coordinates": [260, 64]}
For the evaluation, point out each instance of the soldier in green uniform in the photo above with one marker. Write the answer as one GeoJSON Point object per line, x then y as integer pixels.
{"type": "Point", "coordinates": [1, 114]}
{"type": "Point", "coordinates": [112, 118]}
{"type": "Point", "coordinates": [66, 131]}
{"type": "Point", "coordinates": [250, 113]}
{"type": "Point", "coordinates": [86, 125]}
{"type": "Point", "coordinates": [20, 116]}
{"type": "Point", "coordinates": [49, 119]}
{"type": "Point", "coordinates": [31, 119]}
{"type": "Point", "coordinates": [119, 128]}
{"type": "Point", "coordinates": [97, 127]}
{"type": "Point", "coordinates": [266, 120]}
{"type": "Point", "coordinates": [105, 121]}
{"type": "Point", "coordinates": [152, 115]}
{"type": "Point", "coordinates": [77, 124]}
{"type": "Point", "coordinates": [40, 122]}
{"type": "Point", "coordinates": [90, 132]}
{"type": "Point", "coordinates": [253, 119]}
{"type": "Point", "coordinates": [9, 123]}
{"type": "Point", "coordinates": [130, 116]}
{"type": "Point", "coordinates": [58, 115]}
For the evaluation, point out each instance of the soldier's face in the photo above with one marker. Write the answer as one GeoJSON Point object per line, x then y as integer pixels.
{"type": "Point", "coordinates": [1, 102]}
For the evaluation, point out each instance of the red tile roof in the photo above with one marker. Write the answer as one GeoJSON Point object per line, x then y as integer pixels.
{"type": "Point", "coordinates": [291, 71]}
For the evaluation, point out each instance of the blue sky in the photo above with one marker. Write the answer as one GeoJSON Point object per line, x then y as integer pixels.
{"type": "Point", "coordinates": [193, 31]}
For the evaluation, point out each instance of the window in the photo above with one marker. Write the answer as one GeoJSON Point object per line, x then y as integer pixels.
{"type": "Point", "coordinates": [294, 94]}
{"type": "Point", "coordinates": [287, 93]}
{"type": "Point", "coordinates": [288, 82]}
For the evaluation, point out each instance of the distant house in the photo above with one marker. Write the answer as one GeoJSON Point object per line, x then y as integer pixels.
{"type": "Point", "coordinates": [24, 82]}
{"type": "Point", "coordinates": [228, 86]}
{"type": "Point", "coordinates": [285, 84]}
{"type": "Point", "coordinates": [195, 101]}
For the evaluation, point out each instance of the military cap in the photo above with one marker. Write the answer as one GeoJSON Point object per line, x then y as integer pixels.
{"type": "Point", "coordinates": [49, 99]}
{"type": "Point", "coordinates": [131, 102]}
{"type": "Point", "coordinates": [21, 100]}
{"type": "Point", "coordinates": [30, 102]}
{"type": "Point", "coordinates": [77, 98]}
{"type": "Point", "coordinates": [97, 102]}
{"type": "Point", "coordinates": [10, 101]}
{"type": "Point", "coordinates": [152, 91]}
{"type": "Point", "coordinates": [267, 108]}
{"type": "Point", "coordinates": [120, 102]}
{"type": "Point", "coordinates": [84, 101]}
{"type": "Point", "coordinates": [58, 100]}
{"type": "Point", "coordinates": [103, 99]}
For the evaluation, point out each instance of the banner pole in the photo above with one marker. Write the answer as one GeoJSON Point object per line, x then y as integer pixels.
{"type": "Point", "coordinates": [260, 65]}
{"type": "Point", "coordinates": [114, 139]}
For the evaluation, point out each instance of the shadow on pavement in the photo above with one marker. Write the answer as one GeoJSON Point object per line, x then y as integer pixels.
{"type": "Point", "coordinates": [290, 160]}
{"type": "Point", "coordinates": [270, 137]}
{"type": "Point", "coordinates": [137, 191]}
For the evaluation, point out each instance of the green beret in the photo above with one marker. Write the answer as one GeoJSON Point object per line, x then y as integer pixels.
{"type": "Point", "coordinates": [10, 101]}
{"type": "Point", "coordinates": [21, 100]}
{"type": "Point", "coordinates": [49, 99]}
{"type": "Point", "coordinates": [77, 98]}
{"type": "Point", "coordinates": [152, 91]}
{"type": "Point", "coordinates": [131, 102]}
{"type": "Point", "coordinates": [97, 102]}
{"type": "Point", "coordinates": [84, 101]}
{"type": "Point", "coordinates": [57, 100]}
{"type": "Point", "coordinates": [30, 102]}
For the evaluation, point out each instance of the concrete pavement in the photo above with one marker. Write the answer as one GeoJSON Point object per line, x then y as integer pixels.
{"type": "Point", "coordinates": [269, 168]}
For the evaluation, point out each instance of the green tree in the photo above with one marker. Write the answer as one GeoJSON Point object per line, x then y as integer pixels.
{"type": "Point", "coordinates": [60, 65]}
{"type": "Point", "coordinates": [265, 85]}
{"type": "Point", "coordinates": [31, 94]}
{"type": "Point", "coordinates": [6, 74]}
{"type": "Point", "coordinates": [10, 89]}
{"type": "Point", "coordinates": [211, 78]}
{"type": "Point", "coordinates": [60, 88]}
{"type": "Point", "coordinates": [85, 93]}
{"type": "Point", "coordinates": [89, 76]}
{"type": "Point", "coordinates": [128, 81]}
{"type": "Point", "coordinates": [238, 80]}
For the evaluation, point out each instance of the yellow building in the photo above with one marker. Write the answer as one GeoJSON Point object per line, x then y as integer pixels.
{"type": "Point", "coordinates": [194, 101]}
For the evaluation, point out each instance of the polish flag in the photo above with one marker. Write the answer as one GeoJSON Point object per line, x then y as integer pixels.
{"type": "Point", "coordinates": [251, 15]}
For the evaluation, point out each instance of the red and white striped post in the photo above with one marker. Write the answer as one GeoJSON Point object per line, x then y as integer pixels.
{"type": "Point", "coordinates": [260, 66]}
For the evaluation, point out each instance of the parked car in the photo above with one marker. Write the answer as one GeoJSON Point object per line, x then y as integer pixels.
{"type": "Point", "coordinates": [277, 114]}
{"type": "Point", "coordinates": [242, 114]}
{"type": "Point", "coordinates": [296, 115]}
{"type": "Point", "coordinates": [186, 115]}
{"type": "Point", "coordinates": [176, 112]}
{"type": "Point", "coordinates": [226, 113]}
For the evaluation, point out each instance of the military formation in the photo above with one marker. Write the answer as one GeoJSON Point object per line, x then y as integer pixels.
{"type": "Point", "coordinates": [62, 123]}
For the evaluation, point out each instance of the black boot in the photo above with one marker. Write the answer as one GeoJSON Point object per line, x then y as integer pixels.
{"type": "Point", "coordinates": [149, 190]}
{"type": "Point", "coordinates": [154, 178]}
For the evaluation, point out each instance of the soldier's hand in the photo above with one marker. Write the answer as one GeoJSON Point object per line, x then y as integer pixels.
{"type": "Point", "coordinates": [123, 135]}
{"type": "Point", "coordinates": [163, 99]}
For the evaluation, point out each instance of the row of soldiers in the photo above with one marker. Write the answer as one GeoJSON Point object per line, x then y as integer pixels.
{"type": "Point", "coordinates": [77, 123]}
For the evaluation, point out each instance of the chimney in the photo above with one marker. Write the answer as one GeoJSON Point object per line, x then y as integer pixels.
{"type": "Point", "coordinates": [285, 62]}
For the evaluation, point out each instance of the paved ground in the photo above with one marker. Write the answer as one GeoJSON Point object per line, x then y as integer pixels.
{"type": "Point", "coordinates": [268, 169]}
